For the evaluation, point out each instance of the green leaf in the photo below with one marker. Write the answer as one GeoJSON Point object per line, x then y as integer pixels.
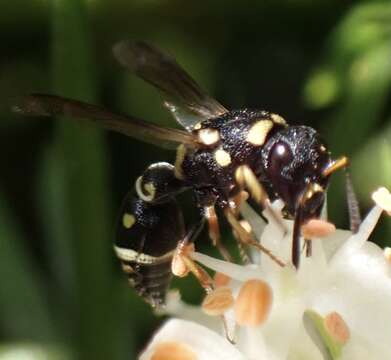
{"type": "Point", "coordinates": [369, 84]}
{"type": "Point", "coordinates": [31, 352]}
{"type": "Point", "coordinates": [322, 88]}
{"type": "Point", "coordinates": [375, 158]}
{"type": "Point", "coordinates": [78, 193]}
{"type": "Point", "coordinates": [24, 309]}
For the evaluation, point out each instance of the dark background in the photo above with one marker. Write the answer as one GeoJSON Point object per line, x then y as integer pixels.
{"type": "Point", "coordinates": [324, 63]}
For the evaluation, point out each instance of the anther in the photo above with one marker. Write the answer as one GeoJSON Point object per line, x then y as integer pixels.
{"type": "Point", "coordinates": [382, 198]}
{"type": "Point", "coordinates": [316, 228]}
{"type": "Point", "coordinates": [218, 301]}
{"type": "Point", "coordinates": [337, 327]}
{"type": "Point", "coordinates": [172, 350]}
{"type": "Point", "coordinates": [253, 303]}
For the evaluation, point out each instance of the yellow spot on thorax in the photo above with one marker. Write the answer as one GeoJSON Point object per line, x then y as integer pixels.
{"type": "Point", "coordinates": [278, 119]}
{"type": "Point", "coordinates": [208, 136]}
{"type": "Point", "coordinates": [128, 220]}
{"type": "Point", "coordinates": [258, 132]}
{"type": "Point", "coordinates": [222, 157]}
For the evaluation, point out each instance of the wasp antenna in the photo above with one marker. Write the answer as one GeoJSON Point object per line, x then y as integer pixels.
{"type": "Point", "coordinates": [340, 163]}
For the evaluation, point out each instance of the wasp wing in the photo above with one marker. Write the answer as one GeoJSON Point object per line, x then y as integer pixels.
{"type": "Point", "coordinates": [185, 99]}
{"type": "Point", "coordinates": [50, 105]}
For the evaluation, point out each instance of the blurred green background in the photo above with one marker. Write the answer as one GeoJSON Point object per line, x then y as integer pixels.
{"type": "Point", "coordinates": [324, 63]}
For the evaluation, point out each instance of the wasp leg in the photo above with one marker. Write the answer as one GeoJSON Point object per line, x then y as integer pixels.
{"type": "Point", "coordinates": [214, 232]}
{"type": "Point", "coordinates": [246, 238]}
{"type": "Point", "coordinates": [246, 178]}
{"type": "Point", "coordinates": [207, 283]}
{"type": "Point", "coordinates": [236, 201]}
{"type": "Point", "coordinates": [206, 200]}
{"type": "Point", "coordinates": [182, 262]}
{"type": "Point", "coordinates": [246, 259]}
{"type": "Point", "coordinates": [353, 206]}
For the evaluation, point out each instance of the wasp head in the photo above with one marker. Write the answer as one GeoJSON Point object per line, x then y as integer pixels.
{"type": "Point", "coordinates": [297, 165]}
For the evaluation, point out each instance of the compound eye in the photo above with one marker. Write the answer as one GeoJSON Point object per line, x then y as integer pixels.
{"type": "Point", "coordinates": [280, 155]}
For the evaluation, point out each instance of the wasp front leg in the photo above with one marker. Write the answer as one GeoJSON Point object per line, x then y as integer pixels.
{"type": "Point", "coordinates": [206, 200]}
{"type": "Point", "coordinates": [247, 238]}
{"type": "Point", "coordinates": [246, 179]}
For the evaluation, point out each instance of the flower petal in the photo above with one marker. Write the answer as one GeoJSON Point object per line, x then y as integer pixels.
{"type": "Point", "coordinates": [235, 271]}
{"type": "Point", "coordinates": [205, 343]}
{"type": "Point", "coordinates": [175, 307]}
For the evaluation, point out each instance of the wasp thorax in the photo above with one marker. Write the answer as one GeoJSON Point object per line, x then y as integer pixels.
{"type": "Point", "coordinates": [292, 159]}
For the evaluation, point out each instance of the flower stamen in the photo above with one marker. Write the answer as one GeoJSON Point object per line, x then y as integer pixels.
{"type": "Point", "coordinates": [178, 264]}
{"type": "Point", "coordinates": [221, 279]}
{"type": "Point", "coordinates": [218, 301]}
{"type": "Point", "coordinates": [172, 350]}
{"type": "Point", "coordinates": [317, 228]}
{"type": "Point", "coordinates": [382, 198]}
{"type": "Point", "coordinates": [337, 327]}
{"type": "Point", "coordinates": [253, 303]}
{"type": "Point", "coordinates": [387, 254]}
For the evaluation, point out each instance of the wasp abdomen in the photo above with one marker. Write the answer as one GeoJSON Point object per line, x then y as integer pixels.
{"type": "Point", "coordinates": [147, 235]}
{"type": "Point", "coordinates": [150, 281]}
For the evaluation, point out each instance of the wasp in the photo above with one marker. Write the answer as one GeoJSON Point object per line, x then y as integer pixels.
{"type": "Point", "coordinates": [220, 153]}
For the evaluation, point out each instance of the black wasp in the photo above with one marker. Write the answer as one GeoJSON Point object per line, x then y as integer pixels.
{"type": "Point", "coordinates": [219, 154]}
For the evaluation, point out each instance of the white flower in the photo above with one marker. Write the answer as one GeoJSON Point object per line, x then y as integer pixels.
{"type": "Point", "coordinates": [336, 306]}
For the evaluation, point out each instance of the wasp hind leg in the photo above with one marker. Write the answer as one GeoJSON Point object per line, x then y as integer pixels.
{"type": "Point", "coordinates": [187, 264]}
{"type": "Point", "coordinates": [182, 263]}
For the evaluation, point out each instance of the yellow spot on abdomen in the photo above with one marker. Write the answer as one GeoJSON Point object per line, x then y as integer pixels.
{"type": "Point", "coordinates": [222, 157]}
{"type": "Point", "coordinates": [258, 132]}
{"type": "Point", "coordinates": [128, 220]}
{"type": "Point", "coordinates": [150, 189]}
